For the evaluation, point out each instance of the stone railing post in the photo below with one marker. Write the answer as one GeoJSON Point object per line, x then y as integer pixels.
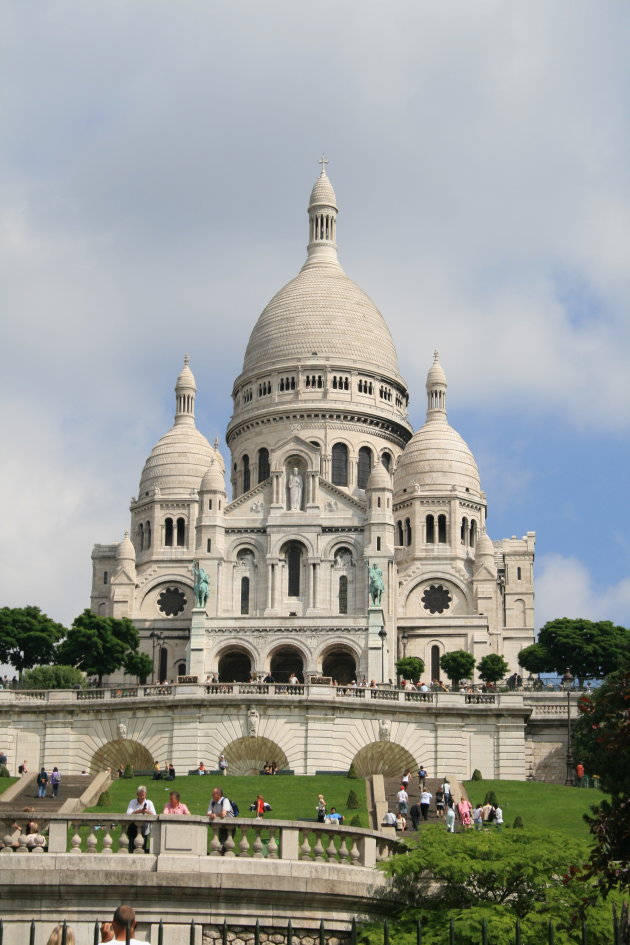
{"type": "Point", "coordinates": [58, 836]}
{"type": "Point", "coordinates": [290, 843]}
{"type": "Point", "coordinates": [367, 851]}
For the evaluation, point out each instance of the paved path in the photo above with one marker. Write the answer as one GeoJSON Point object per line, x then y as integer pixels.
{"type": "Point", "coordinates": [392, 786]}
{"type": "Point", "coordinates": [71, 786]}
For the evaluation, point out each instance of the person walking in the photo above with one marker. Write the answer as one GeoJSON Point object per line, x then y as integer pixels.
{"type": "Point", "coordinates": [321, 809]}
{"type": "Point", "coordinates": [415, 813]}
{"type": "Point", "coordinates": [450, 820]}
{"type": "Point", "coordinates": [439, 802]}
{"type": "Point", "coordinates": [42, 782]}
{"type": "Point", "coordinates": [425, 803]}
{"type": "Point", "coordinates": [55, 781]}
{"type": "Point", "coordinates": [422, 776]}
{"type": "Point", "coordinates": [403, 800]}
{"type": "Point", "coordinates": [498, 817]}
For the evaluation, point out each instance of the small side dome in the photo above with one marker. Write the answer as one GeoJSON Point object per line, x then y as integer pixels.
{"type": "Point", "coordinates": [485, 548]}
{"type": "Point", "coordinates": [125, 550]}
{"type": "Point", "coordinates": [214, 479]}
{"type": "Point", "coordinates": [438, 459]}
{"type": "Point", "coordinates": [379, 478]}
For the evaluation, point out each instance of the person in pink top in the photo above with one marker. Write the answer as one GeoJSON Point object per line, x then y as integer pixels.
{"type": "Point", "coordinates": [464, 809]}
{"type": "Point", "coordinates": [174, 805]}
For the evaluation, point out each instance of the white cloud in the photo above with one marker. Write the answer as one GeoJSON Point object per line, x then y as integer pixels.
{"type": "Point", "coordinates": [564, 588]}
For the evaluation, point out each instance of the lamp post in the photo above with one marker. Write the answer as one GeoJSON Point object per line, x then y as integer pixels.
{"type": "Point", "coordinates": [158, 639]}
{"type": "Point", "coordinates": [383, 635]}
{"type": "Point", "coordinates": [405, 640]}
{"type": "Point", "coordinates": [567, 683]}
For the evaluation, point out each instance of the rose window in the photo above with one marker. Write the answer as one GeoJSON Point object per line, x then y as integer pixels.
{"type": "Point", "coordinates": [436, 599]}
{"type": "Point", "coordinates": [172, 601]}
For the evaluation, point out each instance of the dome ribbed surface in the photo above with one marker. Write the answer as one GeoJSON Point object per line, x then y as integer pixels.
{"type": "Point", "coordinates": [125, 550]}
{"type": "Point", "coordinates": [323, 193]}
{"type": "Point", "coordinates": [178, 461]}
{"type": "Point", "coordinates": [379, 478]}
{"type": "Point", "coordinates": [214, 479]}
{"type": "Point", "coordinates": [437, 458]}
{"type": "Point", "coordinates": [321, 311]}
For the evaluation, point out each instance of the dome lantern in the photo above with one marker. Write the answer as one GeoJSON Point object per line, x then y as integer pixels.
{"type": "Point", "coordinates": [436, 390]}
{"type": "Point", "coordinates": [185, 390]}
{"type": "Point", "coordinates": [322, 214]}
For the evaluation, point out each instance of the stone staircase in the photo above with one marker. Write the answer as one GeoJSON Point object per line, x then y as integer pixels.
{"type": "Point", "coordinates": [72, 787]}
{"type": "Point", "coordinates": [392, 787]}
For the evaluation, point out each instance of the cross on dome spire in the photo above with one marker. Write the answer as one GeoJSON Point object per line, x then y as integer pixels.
{"type": "Point", "coordinates": [323, 161]}
{"type": "Point", "coordinates": [436, 355]}
{"type": "Point", "coordinates": [186, 359]}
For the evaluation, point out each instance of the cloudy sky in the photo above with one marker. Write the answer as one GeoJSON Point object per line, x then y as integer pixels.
{"type": "Point", "coordinates": [157, 164]}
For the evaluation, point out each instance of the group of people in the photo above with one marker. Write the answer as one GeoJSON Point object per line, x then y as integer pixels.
{"type": "Point", "coordinates": [164, 774]}
{"type": "Point", "coordinates": [325, 816]}
{"type": "Point", "coordinates": [447, 809]}
{"type": "Point", "coordinates": [44, 779]}
{"type": "Point", "coordinates": [115, 931]}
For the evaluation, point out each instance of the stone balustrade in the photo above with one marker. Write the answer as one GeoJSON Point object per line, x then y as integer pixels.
{"type": "Point", "coordinates": [93, 836]}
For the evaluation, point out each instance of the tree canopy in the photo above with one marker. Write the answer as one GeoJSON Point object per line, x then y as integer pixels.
{"type": "Point", "coordinates": [27, 637]}
{"type": "Point", "coordinates": [492, 668]}
{"type": "Point", "coordinates": [458, 664]}
{"type": "Point", "coordinates": [410, 667]}
{"type": "Point", "coordinates": [588, 648]}
{"type": "Point", "coordinates": [52, 677]}
{"type": "Point", "coordinates": [100, 645]}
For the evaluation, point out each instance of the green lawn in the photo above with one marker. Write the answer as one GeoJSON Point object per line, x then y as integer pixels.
{"type": "Point", "coordinates": [551, 806]}
{"type": "Point", "coordinates": [291, 797]}
{"type": "Point", "coordinates": [6, 783]}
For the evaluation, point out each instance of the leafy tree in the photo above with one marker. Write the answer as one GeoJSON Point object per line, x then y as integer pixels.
{"type": "Point", "coordinates": [602, 744]}
{"type": "Point", "coordinates": [410, 667]}
{"type": "Point", "coordinates": [458, 664]}
{"type": "Point", "coordinates": [52, 677]}
{"type": "Point", "coordinates": [27, 637]}
{"type": "Point", "coordinates": [492, 668]}
{"type": "Point", "coordinates": [139, 665]}
{"type": "Point", "coordinates": [99, 645]}
{"type": "Point", "coordinates": [491, 877]}
{"type": "Point", "coordinates": [588, 648]}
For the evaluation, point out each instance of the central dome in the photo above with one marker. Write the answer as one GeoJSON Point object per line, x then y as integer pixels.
{"type": "Point", "coordinates": [325, 314]}
{"type": "Point", "coordinates": [322, 313]}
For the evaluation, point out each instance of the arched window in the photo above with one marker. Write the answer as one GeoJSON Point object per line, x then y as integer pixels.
{"type": "Point", "coordinates": [386, 460]}
{"type": "Point", "coordinates": [430, 523]}
{"type": "Point", "coordinates": [399, 533]}
{"type": "Point", "coordinates": [105, 577]}
{"type": "Point", "coordinates": [140, 537]}
{"type": "Point", "coordinates": [294, 567]}
{"type": "Point", "coordinates": [343, 594]}
{"type": "Point", "coordinates": [245, 595]}
{"type": "Point", "coordinates": [464, 531]}
{"type": "Point", "coordinates": [378, 544]}
{"type": "Point", "coordinates": [518, 574]}
{"type": "Point", "coordinates": [168, 532]}
{"type": "Point", "coordinates": [442, 528]}
{"type": "Point", "coordinates": [246, 474]}
{"type": "Point", "coordinates": [163, 664]}
{"type": "Point", "coordinates": [340, 464]}
{"type": "Point", "coordinates": [473, 533]}
{"type": "Point", "coordinates": [181, 532]}
{"type": "Point", "coordinates": [364, 467]}
{"type": "Point", "coordinates": [147, 535]}
{"type": "Point", "coordinates": [181, 669]}
{"type": "Point", "coordinates": [408, 531]}
{"type": "Point", "coordinates": [263, 464]}
{"type": "Point", "coordinates": [435, 663]}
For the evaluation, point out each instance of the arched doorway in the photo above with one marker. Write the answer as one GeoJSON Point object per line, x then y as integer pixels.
{"type": "Point", "coordinates": [285, 661]}
{"type": "Point", "coordinates": [340, 663]}
{"type": "Point", "coordinates": [386, 758]}
{"type": "Point", "coordinates": [249, 755]}
{"type": "Point", "coordinates": [120, 753]}
{"type": "Point", "coordinates": [235, 666]}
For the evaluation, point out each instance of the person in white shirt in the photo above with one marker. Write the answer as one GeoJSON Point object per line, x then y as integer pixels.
{"type": "Point", "coordinates": [403, 800]}
{"type": "Point", "coordinates": [116, 930]}
{"type": "Point", "coordinates": [425, 802]}
{"type": "Point", "coordinates": [498, 817]}
{"type": "Point", "coordinates": [140, 804]}
{"type": "Point", "coordinates": [389, 820]}
{"type": "Point", "coordinates": [219, 806]}
{"type": "Point", "coordinates": [450, 820]}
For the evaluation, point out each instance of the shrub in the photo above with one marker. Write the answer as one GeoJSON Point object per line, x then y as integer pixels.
{"type": "Point", "coordinates": [476, 775]}
{"type": "Point", "coordinates": [353, 801]}
{"type": "Point", "coordinates": [4, 772]}
{"type": "Point", "coordinates": [352, 772]}
{"type": "Point", "coordinates": [490, 798]}
{"type": "Point", "coordinates": [356, 821]}
{"type": "Point", "coordinates": [128, 772]}
{"type": "Point", "coordinates": [518, 823]}
{"type": "Point", "coordinates": [104, 799]}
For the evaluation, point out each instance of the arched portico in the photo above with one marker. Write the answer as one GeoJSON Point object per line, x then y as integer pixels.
{"type": "Point", "coordinates": [248, 755]}
{"type": "Point", "coordinates": [386, 758]}
{"type": "Point", "coordinates": [284, 661]}
{"type": "Point", "coordinates": [119, 753]}
{"type": "Point", "coordinates": [339, 662]}
{"type": "Point", "coordinates": [234, 664]}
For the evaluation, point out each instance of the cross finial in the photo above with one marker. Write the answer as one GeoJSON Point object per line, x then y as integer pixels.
{"type": "Point", "coordinates": [436, 355]}
{"type": "Point", "coordinates": [186, 359]}
{"type": "Point", "coordinates": [323, 161]}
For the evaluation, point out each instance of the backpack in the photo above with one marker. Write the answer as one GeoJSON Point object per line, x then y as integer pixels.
{"type": "Point", "coordinates": [235, 809]}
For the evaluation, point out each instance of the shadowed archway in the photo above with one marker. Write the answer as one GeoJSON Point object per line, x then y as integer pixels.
{"type": "Point", "coordinates": [386, 758]}
{"type": "Point", "coordinates": [248, 755]}
{"type": "Point", "coordinates": [123, 752]}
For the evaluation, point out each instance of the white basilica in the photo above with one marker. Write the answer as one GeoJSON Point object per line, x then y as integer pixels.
{"type": "Point", "coordinates": [327, 480]}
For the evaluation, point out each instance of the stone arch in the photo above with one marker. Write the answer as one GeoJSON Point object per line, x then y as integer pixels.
{"type": "Point", "coordinates": [340, 661]}
{"type": "Point", "coordinates": [235, 664]}
{"type": "Point", "coordinates": [248, 755]}
{"type": "Point", "coordinates": [284, 659]}
{"type": "Point", "coordinates": [121, 752]}
{"type": "Point", "coordinates": [386, 758]}
{"type": "Point", "coordinates": [461, 602]}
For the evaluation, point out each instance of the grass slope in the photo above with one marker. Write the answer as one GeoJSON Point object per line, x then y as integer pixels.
{"type": "Point", "coordinates": [551, 806]}
{"type": "Point", "coordinates": [6, 783]}
{"type": "Point", "coordinates": [291, 797]}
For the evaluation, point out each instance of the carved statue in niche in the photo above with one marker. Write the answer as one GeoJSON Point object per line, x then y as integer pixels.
{"type": "Point", "coordinates": [201, 585]}
{"type": "Point", "coordinates": [122, 730]}
{"type": "Point", "coordinates": [343, 559]}
{"type": "Point", "coordinates": [296, 488]}
{"type": "Point", "coordinates": [377, 585]}
{"type": "Point", "coordinates": [384, 730]}
{"type": "Point", "coordinates": [252, 722]}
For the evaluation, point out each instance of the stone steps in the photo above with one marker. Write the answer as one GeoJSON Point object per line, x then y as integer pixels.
{"type": "Point", "coordinates": [71, 786]}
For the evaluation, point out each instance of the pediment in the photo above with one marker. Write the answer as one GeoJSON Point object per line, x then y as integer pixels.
{"type": "Point", "coordinates": [259, 494]}
{"type": "Point", "coordinates": [332, 494]}
{"type": "Point", "coordinates": [123, 576]}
